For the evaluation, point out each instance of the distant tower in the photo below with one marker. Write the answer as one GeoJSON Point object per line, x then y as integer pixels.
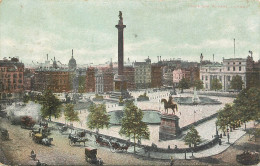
{"type": "Point", "coordinates": [201, 58]}
{"type": "Point", "coordinates": [55, 65]}
{"type": "Point", "coordinates": [72, 63]}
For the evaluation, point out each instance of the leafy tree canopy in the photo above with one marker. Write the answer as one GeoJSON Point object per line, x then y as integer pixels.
{"type": "Point", "coordinates": [132, 124]}
{"type": "Point", "coordinates": [184, 84]}
{"type": "Point", "coordinates": [215, 84]}
{"type": "Point", "coordinates": [192, 137]}
{"type": "Point", "coordinates": [70, 114]}
{"type": "Point", "coordinates": [198, 84]}
{"type": "Point", "coordinates": [236, 83]}
{"type": "Point", "coordinates": [51, 105]}
{"type": "Point", "coordinates": [98, 117]}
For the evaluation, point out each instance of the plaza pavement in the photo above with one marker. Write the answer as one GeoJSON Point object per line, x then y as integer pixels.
{"type": "Point", "coordinates": [234, 136]}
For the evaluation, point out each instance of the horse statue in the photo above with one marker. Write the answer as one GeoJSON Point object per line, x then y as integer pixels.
{"type": "Point", "coordinates": [170, 104]}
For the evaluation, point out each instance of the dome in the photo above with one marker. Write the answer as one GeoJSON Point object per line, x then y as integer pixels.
{"type": "Point", "coordinates": [72, 62]}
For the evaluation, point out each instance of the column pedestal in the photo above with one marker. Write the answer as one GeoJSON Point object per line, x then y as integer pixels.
{"type": "Point", "coordinates": [169, 128]}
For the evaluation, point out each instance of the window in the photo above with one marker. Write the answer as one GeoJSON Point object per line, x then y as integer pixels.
{"type": "Point", "coordinates": [239, 68]}
{"type": "Point", "coordinates": [228, 63]}
{"type": "Point", "coordinates": [228, 77]}
{"type": "Point", "coordinates": [234, 63]}
{"type": "Point", "coordinates": [220, 70]}
{"type": "Point", "coordinates": [201, 77]}
{"type": "Point", "coordinates": [206, 78]}
{"type": "Point", "coordinates": [206, 70]}
{"type": "Point", "coordinates": [234, 68]}
{"type": "Point", "coordinates": [220, 78]}
{"type": "Point", "coordinates": [228, 68]}
{"type": "Point", "coordinates": [240, 63]}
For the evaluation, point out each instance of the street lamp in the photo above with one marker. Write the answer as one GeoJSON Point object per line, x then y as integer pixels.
{"type": "Point", "coordinates": [228, 135]}
{"type": "Point", "coordinates": [216, 129]}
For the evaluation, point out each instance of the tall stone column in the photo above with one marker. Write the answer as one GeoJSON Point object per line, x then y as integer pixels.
{"type": "Point", "coordinates": [120, 26]}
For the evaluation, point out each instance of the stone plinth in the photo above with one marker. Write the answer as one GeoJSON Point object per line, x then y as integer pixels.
{"type": "Point", "coordinates": [169, 128]}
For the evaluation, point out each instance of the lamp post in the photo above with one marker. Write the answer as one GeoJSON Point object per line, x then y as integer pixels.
{"type": "Point", "coordinates": [228, 135]}
{"type": "Point", "coordinates": [216, 129]}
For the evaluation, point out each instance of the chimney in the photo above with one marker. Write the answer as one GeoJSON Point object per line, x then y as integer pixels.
{"type": "Point", "coordinates": [213, 57]}
{"type": "Point", "coordinates": [47, 57]}
{"type": "Point", "coordinates": [160, 58]}
{"type": "Point", "coordinates": [234, 48]}
{"type": "Point", "coordinates": [72, 52]}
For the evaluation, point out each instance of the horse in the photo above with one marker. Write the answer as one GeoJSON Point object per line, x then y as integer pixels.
{"type": "Point", "coordinates": [171, 105]}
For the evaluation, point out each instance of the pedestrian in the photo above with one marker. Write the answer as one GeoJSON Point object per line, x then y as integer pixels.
{"type": "Point", "coordinates": [172, 161]}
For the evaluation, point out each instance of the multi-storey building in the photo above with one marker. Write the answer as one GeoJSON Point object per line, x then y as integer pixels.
{"type": "Point", "coordinates": [156, 76]}
{"type": "Point", "coordinates": [90, 79]}
{"type": "Point", "coordinates": [99, 79]}
{"type": "Point", "coordinates": [57, 80]}
{"type": "Point", "coordinates": [179, 74]}
{"type": "Point", "coordinates": [168, 76]}
{"type": "Point", "coordinates": [143, 74]}
{"type": "Point", "coordinates": [11, 78]}
{"type": "Point", "coordinates": [129, 73]}
{"type": "Point", "coordinates": [29, 79]}
{"type": "Point", "coordinates": [104, 80]}
{"type": "Point", "coordinates": [210, 71]}
{"type": "Point", "coordinates": [224, 72]}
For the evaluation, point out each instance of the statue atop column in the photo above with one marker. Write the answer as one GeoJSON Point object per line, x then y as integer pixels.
{"type": "Point", "coordinates": [120, 18]}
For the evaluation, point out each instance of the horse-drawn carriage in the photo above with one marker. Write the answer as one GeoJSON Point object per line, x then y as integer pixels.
{"type": "Point", "coordinates": [41, 139]}
{"type": "Point", "coordinates": [91, 156]}
{"type": "Point", "coordinates": [64, 128]}
{"type": "Point", "coordinates": [248, 158]}
{"type": "Point", "coordinates": [4, 134]}
{"type": "Point", "coordinates": [73, 139]}
{"type": "Point", "coordinates": [27, 122]}
{"type": "Point", "coordinates": [114, 145]}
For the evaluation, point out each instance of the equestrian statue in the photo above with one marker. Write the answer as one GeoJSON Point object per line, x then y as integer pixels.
{"type": "Point", "coordinates": [170, 104]}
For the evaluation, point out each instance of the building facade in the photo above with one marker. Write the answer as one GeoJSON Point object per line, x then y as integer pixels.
{"type": "Point", "coordinates": [90, 80]}
{"type": "Point", "coordinates": [156, 76]}
{"type": "Point", "coordinates": [143, 74]}
{"type": "Point", "coordinates": [57, 80]}
{"type": "Point", "coordinates": [224, 72]}
{"type": "Point", "coordinates": [179, 74]}
{"type": "Point", "coordinates": [129, 73]}
{"type": "Point", "coordinates": [11, 78]}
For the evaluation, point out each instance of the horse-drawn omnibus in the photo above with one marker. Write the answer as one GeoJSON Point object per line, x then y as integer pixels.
{"type": "Point", "coordinates": [91, 156]}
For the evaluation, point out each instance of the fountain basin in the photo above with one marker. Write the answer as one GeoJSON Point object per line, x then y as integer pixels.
{"type": "Point", "coordinates": [201, 101]}
{"type": "Point", "coordinates": [150, 117]}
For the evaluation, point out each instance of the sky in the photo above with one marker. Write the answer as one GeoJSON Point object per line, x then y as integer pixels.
{"type": "Point", "coordinates": [184, 29]}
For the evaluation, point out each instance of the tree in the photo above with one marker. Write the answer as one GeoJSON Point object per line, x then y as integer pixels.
{"type": "Point", "coordinates": [70, 114]}
{"type": "Point", "coordinates": [227, 117]}
{"type": "Point", "coordinates": [236, 83]}
{"type": "Point", "coordinates": [184, 84]}
{"type": "Point", "coordinates": [198, 84]}
{"type": "Point", "coordinates": [51, 105]}
{"type": "Point", "coordinates": [132, 124]}
{"type": "Point", "coordinates": [247, 104]}
{"type": "Point", "coordinates": [26, 98]}
{"type": "Point", "coordinates": [98, 117]}
{"type": "Point", "coordinates": [215, 84]}
{"type": "Point", "coordinates": [192, 137]}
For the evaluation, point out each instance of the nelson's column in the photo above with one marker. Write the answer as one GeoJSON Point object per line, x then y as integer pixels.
{"type": "Point", "coordinates": [120, 82]}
